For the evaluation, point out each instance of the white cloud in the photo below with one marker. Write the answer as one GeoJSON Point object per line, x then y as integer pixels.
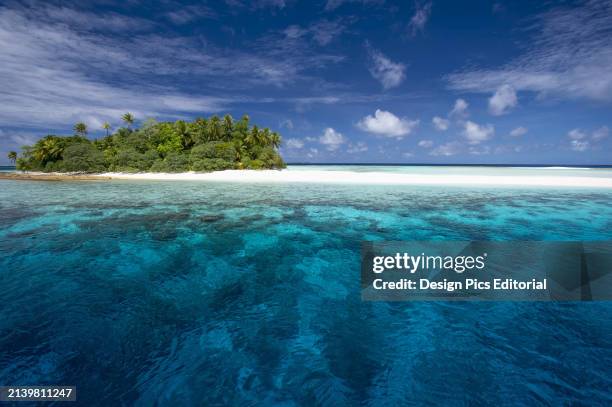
{"type": "Point", "coordinates": [407, 154]}
{"type": "Point", "coordinates": [502, 101]}
{"type": "Point", "coordinates": [580, 146]}
{"type": "Point", "coordinates": [498, 8]}
{"type": "Point", "coordinates": [186, 14]}
{"type": "Point", "coordinates": [390, 74]}
{"type": "Point", "coordinates": [19, 139]}
{"type": "Point", "coordinates": [82, 20]}
{"type": "Point", "coordinates": [420, 17]}
{"type": "Point", "coordinates": [331, 139]}
{"type": "Point", "coordinates": [475, 133]}
{"type": "Point", "coordinates": [269, 3]}
{"type": "Point", "coordinates": [447, 149]}
{"type": "Point", "coordinates": [568, 55]}
{"type": "Point", "coordinates": [519, 131]}
{"type": "Point", "coordinates": [13, 141]}
{"type": "Point", "coordinates": [54, 73]}
{"type": "Point", "coordinates": [325, 31]}
{"type": "Point", "coordinates": [322, 32]}
{"type": "Point", "coordinates": [426, 143]}
{"type": "Point", "coordinates": [387, 124]}
{"type": "Point", "coordinates": [358, 147]}
{"type": "Point", "coordinates": [294, 31]}
{"type": "Point", "coordinates": [601, 133]}
{"type": "Point", "coordinates": [312, 152]}
{"type": "Point", "coordinates": [256, 4]}
{"type": "Point", "coordinates": [576, 134]}
{"type": "Point", "coordinates": [334, 4]}
{"type": "Point", "coordinates": [460, 109]}
{"type": "Point", "coordinates": [287, 124]}
{"type": "Point", "coordinates": [440, 123]}
{"type": "Point", "coordinates": [294, 143]}
{"type": "Point", "coordinates": [480, 150]}
{"type": "Point", "coordinates": [579, 138]}
{"type": "Point", "coordinates": [45, 83]}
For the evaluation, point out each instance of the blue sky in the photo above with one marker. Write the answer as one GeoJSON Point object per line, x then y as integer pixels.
{"type": "Point", "coordinates": [341, 80]}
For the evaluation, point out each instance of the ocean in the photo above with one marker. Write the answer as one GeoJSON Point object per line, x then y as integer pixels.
{"type": "Point", "coordinates": [195, 293]}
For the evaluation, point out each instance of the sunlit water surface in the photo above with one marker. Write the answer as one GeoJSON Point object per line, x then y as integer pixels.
{"type": "Point", "coordinates": [189, 293]}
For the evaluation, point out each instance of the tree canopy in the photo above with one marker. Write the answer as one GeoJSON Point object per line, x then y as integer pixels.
{"type": "Point", "coordinates": [201, 145]}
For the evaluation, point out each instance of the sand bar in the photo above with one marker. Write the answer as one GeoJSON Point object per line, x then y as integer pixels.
{"type": "Point", "coordinates": [338, 177]}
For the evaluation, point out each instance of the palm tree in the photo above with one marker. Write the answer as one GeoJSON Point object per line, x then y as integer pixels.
{"type": "Point", "coordinates": [265, 137]}
{"type": "Point", "coordinates": [81, 129]}
{"type": "Point", "coordinates": [241, 128]}
{"type": "Point", "coordinates": [275, 139]}
{"type": "Point", "coordinates": [199, 129]}
{"type": "Point", "coordinates": [241, 150]}
{"type": "Point", "coordinates": [106, 126]}
{"type": "Point", "coordinates": [180, 127]}
{"type": "Point", "coordinates": [12, 156]}
{"type": "Point", "coordinates": [252, 137]}
{"type": "Point", "coordinates": [128, 118]}
{"type": "Point", "coordinates": [215, 132]}
{"type": "Point", "coordinates": [228, 127]}
{"type": "Point", "coordinates": [48, 149]}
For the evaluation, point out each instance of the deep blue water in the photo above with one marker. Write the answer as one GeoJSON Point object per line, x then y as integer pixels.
{"type": "Point", "coordinates": [143, 293]}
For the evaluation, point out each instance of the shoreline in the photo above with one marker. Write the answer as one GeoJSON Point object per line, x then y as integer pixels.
{"type": "Point", "coordinates": [332, 177]}
{"type": "Point", "coordinates": [51, 176]}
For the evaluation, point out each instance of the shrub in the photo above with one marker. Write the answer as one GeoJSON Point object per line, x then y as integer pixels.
{"type": "Point", "coordinates": [211, 164]}
{"type": "Point", "coordinates": [174, 162]}
{"type": "Point", "coordinates": [214, 149]}
{"type": "Point", "coordinates": [134, 159]}
{"type": "Point", "coordinates": [159, 166]}
{"type": "Point", "coordinates": [23, 164]}
{"type": "Point", "coordinates": [256, 165]}
{"type": "Point", "coordinates": [82, 157]}
{"type": "Point", "coordinates": [127, 169]}
{"type": "Point", "coordinates": [177, 162]}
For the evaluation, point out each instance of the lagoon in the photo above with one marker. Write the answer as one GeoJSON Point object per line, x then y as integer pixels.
{"type": "Point", "coordinates": [198, 293]}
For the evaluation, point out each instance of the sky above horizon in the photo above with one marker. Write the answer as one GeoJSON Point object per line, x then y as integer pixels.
{"type": "Point", "coordinates": [372, 81]}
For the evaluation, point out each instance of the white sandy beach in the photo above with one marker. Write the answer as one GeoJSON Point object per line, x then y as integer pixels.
{"type": "Point", "coordinates": [371, 178]}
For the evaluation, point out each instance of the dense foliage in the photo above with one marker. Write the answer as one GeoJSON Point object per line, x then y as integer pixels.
{"type": "Point", "coordinates": [202, 145]}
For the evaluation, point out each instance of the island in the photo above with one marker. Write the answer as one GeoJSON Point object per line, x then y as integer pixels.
{"type": "Point", "coordinates": [227, 150]}
{"type": "Point", "coordinates": [203, 145]}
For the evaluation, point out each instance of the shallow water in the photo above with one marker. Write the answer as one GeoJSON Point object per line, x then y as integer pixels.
{"type": "Point", "coordinates": [205, 294]}
{"type": "Point", "coordinates": [465, 170]}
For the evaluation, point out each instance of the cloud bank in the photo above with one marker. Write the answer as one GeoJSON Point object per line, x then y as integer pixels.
{"type": "Point", "coordinates": [569, 57]}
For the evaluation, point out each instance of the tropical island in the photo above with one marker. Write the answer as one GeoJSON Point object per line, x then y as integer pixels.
{"type": "Point", "coordinates": [203, 145]}
{"type": "Point", "coordinates": [221, 149]}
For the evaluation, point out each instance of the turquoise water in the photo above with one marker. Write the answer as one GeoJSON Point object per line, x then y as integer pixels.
{"type": "Point", "coordinates": [190, 293]}
{"type": "Point", "coordinates": [465, 170]}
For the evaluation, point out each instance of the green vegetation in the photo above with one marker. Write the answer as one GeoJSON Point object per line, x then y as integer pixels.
{"type": "Point", "coordinates": [106, 126]}
{"type": "Point", "coordinates": [128, 119]}
{"type": "Point", "coordinates": [81, 129]}
{"type": "Point", "coordinates": [202, 145]}
{"type": "Point", "coordinates": [12, 156]}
